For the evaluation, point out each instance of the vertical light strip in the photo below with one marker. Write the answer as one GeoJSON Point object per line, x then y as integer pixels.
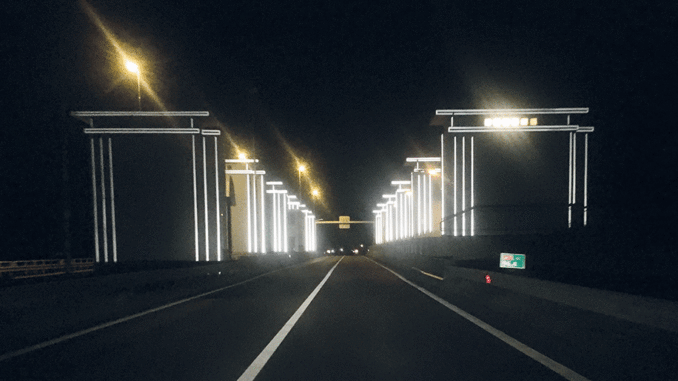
{"type": "Point", "coordinates": [586, 177]}
{"type": "Point", "coordinates": [427, 206]}
{"type": "Point", "coordinates": [388, 223]}
{"type": "Point", "coordinates": [285, 222]}
{"type": "Point", "coordinates": [419, 215]}
{"type": "Point", "coordinates": [275, 221]}
{"type": "Point", "coordinates": [313, 230]}
{"type": "Point", "coordinates": [402, 215]}
{"type": "Point", "coordinates": [411, 196]}
{"type": "Point", "coordinates": [204, 178]}
{"type": "Point", "coordinates": [412, 202]}
{"type": "Point", "coordinates": [454, 183]}
{"type": "Point", "coordinates": [263, 216]}
{"type": "Point", "coordinates": [195, 197]}
{"type": "Point", "coordinates": [569, 187]}
{"type": "Point", "coordinates": [278, 222]}
{"type": "Point", "coordinates": [442, 184]}
{"type": "Point", "coordinates": [255, 228]}
{"type": "Point", "coordinates": [430, 203]}
{"type": "Point", "coordinates": [574, 168]}
{"type": "Point", "coordinates": [216, 180]}
{"type": "Point", "coordinates": [463, 185]}
{"type": "Point", "coordinates": [110, 175]}
{"type": "Point", "coordinates": [249, 211]}
{"type": "Point", "coordinates": [382, 226]}
{"type": "Point", "coordinates": [94, 198]}
{"type": "Point", "coordinates": [307, 230]}
{"type": "Point", "coordinates": [472, 193]}
{"type": "Point", "coordinates": [103, 200]}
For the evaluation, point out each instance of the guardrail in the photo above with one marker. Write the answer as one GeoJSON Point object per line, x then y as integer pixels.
{"type": "Point", "coordinates": [43, 267]}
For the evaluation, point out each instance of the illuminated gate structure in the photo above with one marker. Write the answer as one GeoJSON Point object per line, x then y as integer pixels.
{"type": "Point", "coordinates": [459, 166]}
{"type": "Point", "coordinates": [265, 217]}
{"type": "Point", "coordinates": [107, 189]}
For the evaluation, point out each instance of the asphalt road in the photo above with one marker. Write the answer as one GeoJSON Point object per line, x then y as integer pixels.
{"type": "Point", "coordinates": [334, 318]}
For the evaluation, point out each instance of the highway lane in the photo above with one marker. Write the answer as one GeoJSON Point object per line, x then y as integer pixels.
{"type": "Point", "coordinates": [210, 338]}
{"type": "Point", "coordinates": [364, 323]}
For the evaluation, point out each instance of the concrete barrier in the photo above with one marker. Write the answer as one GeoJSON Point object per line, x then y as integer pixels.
{"type": "Point", "coordinates": [654, 312]}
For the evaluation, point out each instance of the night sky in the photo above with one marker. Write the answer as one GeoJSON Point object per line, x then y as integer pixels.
{"type": "Point", "coordinates": [349, 88]}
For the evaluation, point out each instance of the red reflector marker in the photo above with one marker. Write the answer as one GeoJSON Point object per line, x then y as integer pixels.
{"type": "Point", "coordinates": [488, 279]}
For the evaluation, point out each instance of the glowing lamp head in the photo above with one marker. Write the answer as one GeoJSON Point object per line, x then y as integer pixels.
{"type": "Point", "coordinates": [242, 156]}
{"type": "Point", "coordinates": [131, 66]}
{"type": "Point", "coordinates": [302, 168]}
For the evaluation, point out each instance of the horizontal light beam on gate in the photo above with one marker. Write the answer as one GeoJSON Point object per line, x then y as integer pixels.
{"type": "Point", "coordinates": [563, 128]}
{"type": "Point", "coordinates": [211, 132]}
{"type": "Point", "coordinates": [90, 114]}
{"type": "Point", "coordinates": [276, 191]}
{"type": "Point", "coordinates": [343, 222]}
{"type": "Point", "coordinates": [533, 111]}
{"type": "Point", "coordinates": [241, 161]}
{"type": "Point", "coordinates": [244, 172]}
{"type": "Point", "coordinates": [142, 130]}
{"type": "Point", "coordinates": [422, 160]}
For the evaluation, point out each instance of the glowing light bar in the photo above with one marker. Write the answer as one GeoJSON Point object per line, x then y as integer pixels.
{"type": "Point", "coordinates": [400, 182]}
{"type": "Point", "coordinates": [142, 130]}
{"type": "Point", "coordinates": [274, 183]}
{"type": "Point", "coordinates": [510, 122]}
{"type": "Point", "coordinates": [503, 122]}
{"type": "Point", "coordinates": [244, 172]}
{"type": "Point", "coordinates": [242, 161]}
{"type": "Point", "coordinates": [528, 111]}
{"type": "Point", "coordinates": [89, 114]}
{"type": "Point", "coordinates": [563, 128]}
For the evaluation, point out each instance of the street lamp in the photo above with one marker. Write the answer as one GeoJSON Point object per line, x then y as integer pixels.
{"type": "Point", "coordinates": [134, 68]}
{"type": "Point", "coordinates": [301, 168]}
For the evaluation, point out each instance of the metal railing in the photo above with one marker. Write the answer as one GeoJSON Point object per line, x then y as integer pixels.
{"type": "Point", "coordinates": [43, 267]}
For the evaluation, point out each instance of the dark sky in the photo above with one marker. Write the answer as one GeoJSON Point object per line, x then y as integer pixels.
{"type": "Point", "coordinates": [348, 87]}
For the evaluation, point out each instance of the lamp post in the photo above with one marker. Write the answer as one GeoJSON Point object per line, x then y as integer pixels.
{"type": "Point", "coordinates": [134, 68]}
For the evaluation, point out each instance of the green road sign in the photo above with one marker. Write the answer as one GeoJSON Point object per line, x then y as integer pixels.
{"type": "Point", "coordinates": [512, 261]}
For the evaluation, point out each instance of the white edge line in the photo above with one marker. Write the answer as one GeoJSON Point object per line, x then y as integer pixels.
{"type": "Point", "coordinates": [253, 370]}
{"type": "Point", "coordinates": [555, 366]}
{"type": "Point", "coordinates": [10, 355]}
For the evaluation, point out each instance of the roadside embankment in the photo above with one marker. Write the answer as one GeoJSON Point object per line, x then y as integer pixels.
{"type": "Point", "coordinates": [38, 311]}
{"type": "Point", "coordinates": [651, 311]}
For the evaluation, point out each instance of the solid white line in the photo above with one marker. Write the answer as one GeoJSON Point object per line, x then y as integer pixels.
{"type": "Point", "coordinates": [555, 366]}
{"type": "Point", "coordinates": [9, 355]}
{"type": "Point", "coordinates": [261, 360]}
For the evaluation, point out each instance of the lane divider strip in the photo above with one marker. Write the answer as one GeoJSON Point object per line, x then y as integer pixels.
{"type": "Point", "coordinates": [555, 366]}
{"type": "Point", "coordinates": [253, 370]}
{"type": "Point", "coordinates": [9, 355]}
